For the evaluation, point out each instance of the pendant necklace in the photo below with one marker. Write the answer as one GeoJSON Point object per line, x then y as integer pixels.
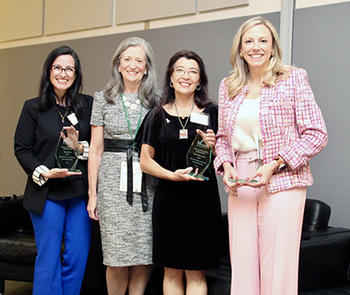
{"type": "Point", "coordinates": [62, 116]}
{"type": "Point", "coordinates": [183, 133]}
{"type": "Point", "coordinates": [57, 108]}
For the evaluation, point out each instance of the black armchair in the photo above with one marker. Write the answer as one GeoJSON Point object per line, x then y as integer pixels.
{"type": "Point", "coordinates": [17, 244]}
{"type": "Point", "coordinates": [324, 253]}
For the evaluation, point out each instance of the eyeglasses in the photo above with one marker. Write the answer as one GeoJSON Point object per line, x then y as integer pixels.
{"type": "Point", "coordinates": [180, 71]}
{"type": "Point", "coordinates": [57, 69]}
{"type": "Point", "coordinates": [129, 60]}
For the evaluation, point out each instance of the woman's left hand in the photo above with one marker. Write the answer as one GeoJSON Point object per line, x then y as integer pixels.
{"type": "Point", "coordinates": [208, 137]}
{"type": "Point", "coordinates": [72, 138]}
{"type": "Point", "coordinates": [264, 172]}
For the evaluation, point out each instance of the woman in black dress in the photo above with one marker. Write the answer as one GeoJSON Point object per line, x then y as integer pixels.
{"type": "Point", "coordinates": [186, 210]}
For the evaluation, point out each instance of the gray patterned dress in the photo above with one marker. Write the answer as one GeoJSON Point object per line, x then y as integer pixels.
{"type": "Point", "coordinates": [126, 231]}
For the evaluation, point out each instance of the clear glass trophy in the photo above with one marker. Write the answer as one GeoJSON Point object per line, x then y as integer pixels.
{"type": "Point", "coordinates": [199, 157]}
{"type": "Point", "coordinates": [65, 156]}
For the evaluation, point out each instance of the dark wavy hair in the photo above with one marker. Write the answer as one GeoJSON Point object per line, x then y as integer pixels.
{"type": "Point", "coordinates": [200, 96]}
{"type": "Point", "coordinates": [46, 91]}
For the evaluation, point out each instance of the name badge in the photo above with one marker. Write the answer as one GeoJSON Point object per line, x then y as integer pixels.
{"type": "Point", "coordinates": [73, 119]}
{"type": "Point", "coordinates": [202, 119]}
{"type": "Point", "coordinates": [137, 177]}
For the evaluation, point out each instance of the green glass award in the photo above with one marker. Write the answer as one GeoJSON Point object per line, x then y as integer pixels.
{"type": "Point", "coordinates": [242, 181]}
{"type": "Point", "coordinates": [199, 157]}
{"type": "Point", "coordinates": [65, 156]}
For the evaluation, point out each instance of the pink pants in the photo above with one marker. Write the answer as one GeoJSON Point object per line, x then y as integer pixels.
{"type": "Point", "coordinates": [264, 234]}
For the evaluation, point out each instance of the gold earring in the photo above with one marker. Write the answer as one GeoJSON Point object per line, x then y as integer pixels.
{"type": "Point", "coordinates": [241, 55]}
{"type": "Point", "coordinates": [272, 53]}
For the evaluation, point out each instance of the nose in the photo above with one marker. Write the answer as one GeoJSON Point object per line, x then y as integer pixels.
{"type": "Point", "coordinates": [186, 74]}
{"type": "Point", "coordinates": [255, 45]}
{"type": "Point", "coordinates": [63, 72]}
{"type": "Point", "coordinates": [132, 63]}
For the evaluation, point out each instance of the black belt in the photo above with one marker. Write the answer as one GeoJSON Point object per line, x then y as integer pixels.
{"type": "Point", "coordinates": [128, 146]}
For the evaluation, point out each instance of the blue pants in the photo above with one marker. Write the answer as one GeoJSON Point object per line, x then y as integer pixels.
{"type": "Point", "coordinates": [55, 274]}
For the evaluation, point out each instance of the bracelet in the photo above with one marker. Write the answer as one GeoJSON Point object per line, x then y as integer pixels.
{"type": "Point", "coordinates": [280, 162]}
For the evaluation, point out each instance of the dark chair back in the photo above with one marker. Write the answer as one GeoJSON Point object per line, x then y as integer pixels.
{"type": "Point", "coordinates": [316, 215]}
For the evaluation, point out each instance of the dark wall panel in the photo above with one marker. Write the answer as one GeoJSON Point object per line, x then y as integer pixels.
{"type": "Point", "coordinates": [321, 46]}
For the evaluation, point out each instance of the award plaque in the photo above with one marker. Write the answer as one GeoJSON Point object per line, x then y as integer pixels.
{"type": "Point", "coordinates": [66, 157]}
{"type": "Point", "coordinates": [198, 157]}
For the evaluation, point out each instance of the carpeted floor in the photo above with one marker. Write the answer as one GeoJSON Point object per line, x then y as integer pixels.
{"type": "Point", "coordinates": [18, 288]}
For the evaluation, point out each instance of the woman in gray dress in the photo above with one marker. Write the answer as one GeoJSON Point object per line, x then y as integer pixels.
{"type": "Point", "coordinates": [118, 197]}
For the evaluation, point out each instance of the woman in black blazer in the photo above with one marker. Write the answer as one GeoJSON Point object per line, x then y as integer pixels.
{"type": "Point", "coordinates": [56, 197]}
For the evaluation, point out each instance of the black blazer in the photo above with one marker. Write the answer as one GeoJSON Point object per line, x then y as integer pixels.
{"type": "Point", "coordinates": [36, 140]}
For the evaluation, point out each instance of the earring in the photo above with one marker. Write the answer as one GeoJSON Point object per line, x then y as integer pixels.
{"type": "Point", "coordinates": [199, 87]}
{"type": "Point", "coordinates": [272, 53]}
{"type": "Point", "coordinates": [241, 55]}
{"type": "Point", "coordinates": [171, 84]}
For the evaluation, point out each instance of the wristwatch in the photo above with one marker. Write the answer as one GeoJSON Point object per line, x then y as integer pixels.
{"type": "Point", "coordinates": [280, 162]}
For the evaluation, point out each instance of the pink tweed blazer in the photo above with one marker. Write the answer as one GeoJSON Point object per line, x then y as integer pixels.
{"type": "Point", "coordinates": [291, 126]}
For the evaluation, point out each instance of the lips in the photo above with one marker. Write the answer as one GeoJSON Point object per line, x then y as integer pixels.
{"type": "Point", "coordinates": [185, 84]}
{"type": "Point", "coordinates": [256, 56]}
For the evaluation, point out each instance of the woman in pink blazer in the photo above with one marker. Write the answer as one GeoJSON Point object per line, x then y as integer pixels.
{"type": "Point", "coordinates": [269, 128]}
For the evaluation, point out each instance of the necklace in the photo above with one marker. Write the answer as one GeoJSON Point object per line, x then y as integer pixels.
{"type": "Point", "coordinates": [62, 116]}
{"type": "Point", "coordinates": [183, 133]}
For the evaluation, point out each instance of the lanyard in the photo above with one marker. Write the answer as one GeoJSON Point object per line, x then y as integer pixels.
{"type": "Point", "coordinates": [128, 121]}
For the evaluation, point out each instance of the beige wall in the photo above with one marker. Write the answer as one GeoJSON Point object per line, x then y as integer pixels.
{"type": "Point", "coordinates": [20, 19]}
{"type": "Point", "coordinates": [76, 15]}
{"type": "Point", "coordinates": [45, 21]}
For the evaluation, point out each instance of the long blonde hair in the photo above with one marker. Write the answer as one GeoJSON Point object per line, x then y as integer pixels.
{"type": "Point", "coordinates": [277, 70]}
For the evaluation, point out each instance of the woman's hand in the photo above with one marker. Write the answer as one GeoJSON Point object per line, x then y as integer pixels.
{"type": "Point", "coordinates": [182, 175]}
{"type": "Point", "coordinates": [92, 206]}
{"type": "Point", "coordinates": [59, 173]}
{"type": "Point", "coordinates": [264, 172]}
{"type": "Point", "coordinates": [72, 138]}
{"type": "Point", "coordinates": [230, 173]}
{"type": "Point", "coordinates": [208, 137]}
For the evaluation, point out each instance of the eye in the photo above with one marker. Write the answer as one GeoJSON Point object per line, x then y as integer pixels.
{"type": "Point", "coordinates": [179, 70]}
{"type": "Point", "coordinates": [139, 61]}
{"type": "Point", "coordinates": [57, 68]}
{"type": "Point", "coordinates": [194, 72]}
{"type": "Point", "coordinates": [248, 41]}
{"type": "Point", "coordinates": [127, 59]}
{"type": "Point", "coordinates": [70, 70]}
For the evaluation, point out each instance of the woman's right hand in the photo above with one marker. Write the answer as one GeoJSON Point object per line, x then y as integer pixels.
{"type": "Point", "coordinates": [59, 173]}
{"type": "Point", "coordinates": [182, 175]}
{"type": "Point", "coordinates": [230, 173]}
{"type": "Point", "coordinates": [92, 206]}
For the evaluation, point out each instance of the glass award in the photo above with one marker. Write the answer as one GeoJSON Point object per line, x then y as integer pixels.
{"type": "Point", "coordinates": [65, 156]}
{"type": "Point", "coordinates": [198, 157]}
{"type": "Point", "coordinates": [242, 181]}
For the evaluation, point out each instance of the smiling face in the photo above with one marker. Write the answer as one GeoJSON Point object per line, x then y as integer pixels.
{"type": "Point", "coordinates": [185, 76]}
{"type": "Point", "coordinates": [132, 65]}
{"type": "Point", "coordinates": [257, 47]}
{"type": "Point", "coordinates": [62, 74]}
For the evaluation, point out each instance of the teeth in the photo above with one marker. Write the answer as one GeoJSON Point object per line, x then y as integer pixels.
{"type": "Point", "coordinates": [185, 84]}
